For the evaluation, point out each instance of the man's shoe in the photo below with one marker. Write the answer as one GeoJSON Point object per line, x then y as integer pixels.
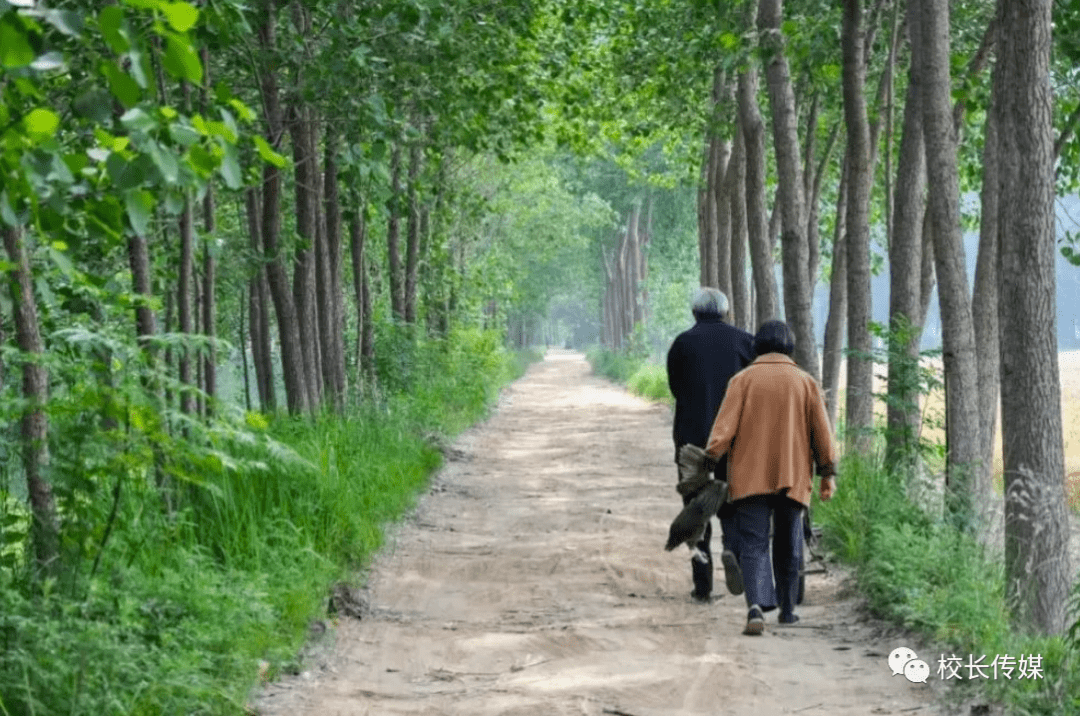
{"type": "Point", "coordinates": [699, 599]}
{"type": "Point", "coordinates": [732, 573]}
{"type": "Point", "coordinates": [755, 622]}
{"type": "Point", "coordinates": [789, 619]}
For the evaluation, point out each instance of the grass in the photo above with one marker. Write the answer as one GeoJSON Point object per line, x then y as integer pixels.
{"type": "Point", "coordinates": [924, 575]}
{"type": "Point", "coordinates": [190, 609]}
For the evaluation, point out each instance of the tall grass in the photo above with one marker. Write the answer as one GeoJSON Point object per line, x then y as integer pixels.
{"type": "Point", "coordinates": [191, 606]}
{"type": "Point", "coordinates": [922, 573]}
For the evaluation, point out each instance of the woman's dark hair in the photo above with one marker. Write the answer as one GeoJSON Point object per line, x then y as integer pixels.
{"type": "Point", "coordinates": [774, 337]}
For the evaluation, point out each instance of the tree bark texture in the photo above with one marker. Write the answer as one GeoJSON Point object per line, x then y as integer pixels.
{"type": "Point", "coordinates": [740, 286]}
{"type": "Point", "coordinates": [393, 237]}
{"type": "Point", "coordinates": [305, 182]}
{"type": "Point", "coordinates": [859, 413]}
{"type": "Point", "coordinates": [905, 271]}
{"type": "Point", "coordinates": [183, 303]}
{"type": "Point", "coordinates": [1037, 569]}
{"type": "Point", "coordinates": [333, 337]}
{"type": "Point", "coordinates": [259, 308]}
{"type": "Point", "coordinates": [984, 302]}
{"type": "Point", "coordinates": [832, 353]}
{"type": "Point", "coordinates": [931, 57]}
{"type": "Point", "coordinates": [757, 221]}
{"type": "Point", "coordinates": [798, 291]}
{"type": "Point", "coordinates": [34, 423]}
{"type": "Point", "coordinates": [412, 231]}
{"type": "Point", "coordinates": [292, 361]}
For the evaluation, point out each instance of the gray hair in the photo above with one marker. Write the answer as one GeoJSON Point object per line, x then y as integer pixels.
{"type": "Point", "coordinates": [709, 302]}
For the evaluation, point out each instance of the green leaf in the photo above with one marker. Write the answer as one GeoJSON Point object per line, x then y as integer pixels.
{"type": "Point", "coordinates": [125, 89]}
{"type": "Point", "coordinates": [110, 20]}
{"type": "Point", "coordinates": [165, 162]}
{"type": "Point", "coordinates": [140, 209]}
{"type": "Point", "coordinates": [246, 115]}
{"type": "Point", "coordinates": [128, 174]}
{"type": "Point", "coordinates": [48, 61]}
{"type": "Point", "coordinates": [181, 15]}
{"type": "Point", "coordinates": [181, 59]}
{"type": "Point", "coordinates": [230, 168]}
{"type": "Point", "coordinates": [66, 21]}
{"type": "Point", "coordinates": [15, 49]}
{"type": "Point", "coordinates": [267, 153]}
{"type": "Point", "coordinates": [7, 214]}
{"type": "Point", "coordinates": [183, 134]}
{"type": "Point", "coordinates": [146, 4]}
{"type": "Point", "coordinates": [138, 120]}
{"type": "Point", "coordinates": [202, 160]}
{"type": "Point", "coordinates": [41, 123]}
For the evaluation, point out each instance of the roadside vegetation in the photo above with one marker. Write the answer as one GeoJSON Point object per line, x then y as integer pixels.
{"type": "Point", "coordinates": [182, 611]}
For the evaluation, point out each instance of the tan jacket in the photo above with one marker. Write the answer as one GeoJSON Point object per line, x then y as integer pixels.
{"type": "Point", "coordinates": [774, 427]}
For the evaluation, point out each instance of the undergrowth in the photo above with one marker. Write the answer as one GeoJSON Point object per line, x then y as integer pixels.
{"type": "Point", "coordinates": [208, 574]}
{"type": "Point", "coordinates": [925, 575]}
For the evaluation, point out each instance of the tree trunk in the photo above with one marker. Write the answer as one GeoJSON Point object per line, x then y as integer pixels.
{"type": "Point", "coordinates": [958, 334]}
{"type": "Point", "coordinates": [305, 172]}
{"type": "Point", "coordinates": [292, 361]}
{"type": "Point", "coordinates": [183, 304]}
{"type": "Point", "coordinates": [1037, 568]}
{"type": "Point", "coordinates": [243, 343]}
{"type": "Point", "coordinates": [740, 287]}
{"type": "Point", "coordinates": [798, 293]}
{"type": "Point", "coordinates": [833, 351]}
{"type": "Point", "coordinates": [209, 303]}
{"type": "Point", "coordinates": [859, 413]}
{"type": "Point", "coordinates": [357, 238]}
{"type": "Point", "coordinates": [412, 232]}
{"type": "Point", "coordinates": [718, 186]}
{"type": "Point", "coordinates": [905, 278]}
{"type": "Point", "coordinates": [393, 237]}
{"type": "Point", "coordinates": [34, 423]}
{"type": "Point", "coordinates": [757, 221]}
{"type": "Point", "coordinates": [333, 328]}
{"type": "Point", "coordinates": [984, 302]}
{"type": "Point", "coordinates": [259, 309]}
{"type": "Point", "coordinates": [708, 199]}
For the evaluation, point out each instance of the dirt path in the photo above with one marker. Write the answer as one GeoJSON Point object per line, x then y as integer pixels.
{"type": "Point", "coordinates": [532, 581]}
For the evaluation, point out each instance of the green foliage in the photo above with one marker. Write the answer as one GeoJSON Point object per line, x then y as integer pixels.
{"type": "Point", "coordinates": [619, 366]}
{"type": "Point", "coordinates": [650, 381]}
{"type": "Point", "coordinates": [170, 606]}
{"type": "Point", "coordinates": [927, 576]}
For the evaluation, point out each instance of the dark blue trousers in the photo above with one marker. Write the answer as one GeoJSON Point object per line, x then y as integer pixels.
{"type": "Point", "coordinates": [774, 582]}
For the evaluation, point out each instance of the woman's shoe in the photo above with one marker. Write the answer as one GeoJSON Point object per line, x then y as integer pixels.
{"type": "Point", "coordinates": [755, 621]}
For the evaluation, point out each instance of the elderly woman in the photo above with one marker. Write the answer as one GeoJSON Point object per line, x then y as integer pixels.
{"type": "Point", "coordinates": [773, 427]}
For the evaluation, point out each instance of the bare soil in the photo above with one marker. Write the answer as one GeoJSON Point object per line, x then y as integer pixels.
{"type": "Point", "coordinates": [531, 580]}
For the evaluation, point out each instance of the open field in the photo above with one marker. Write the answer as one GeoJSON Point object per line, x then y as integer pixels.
{"type": "Point", "coordinates": [934, 409]}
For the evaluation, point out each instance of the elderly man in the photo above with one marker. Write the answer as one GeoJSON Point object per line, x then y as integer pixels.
{"type": "Point", "coordinates": [700, 363]}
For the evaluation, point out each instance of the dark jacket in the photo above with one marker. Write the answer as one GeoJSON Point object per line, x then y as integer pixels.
{"type": "Point", "coordinates": [700, 363]}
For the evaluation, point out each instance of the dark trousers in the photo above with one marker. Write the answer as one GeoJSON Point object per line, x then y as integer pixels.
{"type": "Point", "coordinates": [752, 518]}
{"type": "Point", "coordinates": [703, 571]}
